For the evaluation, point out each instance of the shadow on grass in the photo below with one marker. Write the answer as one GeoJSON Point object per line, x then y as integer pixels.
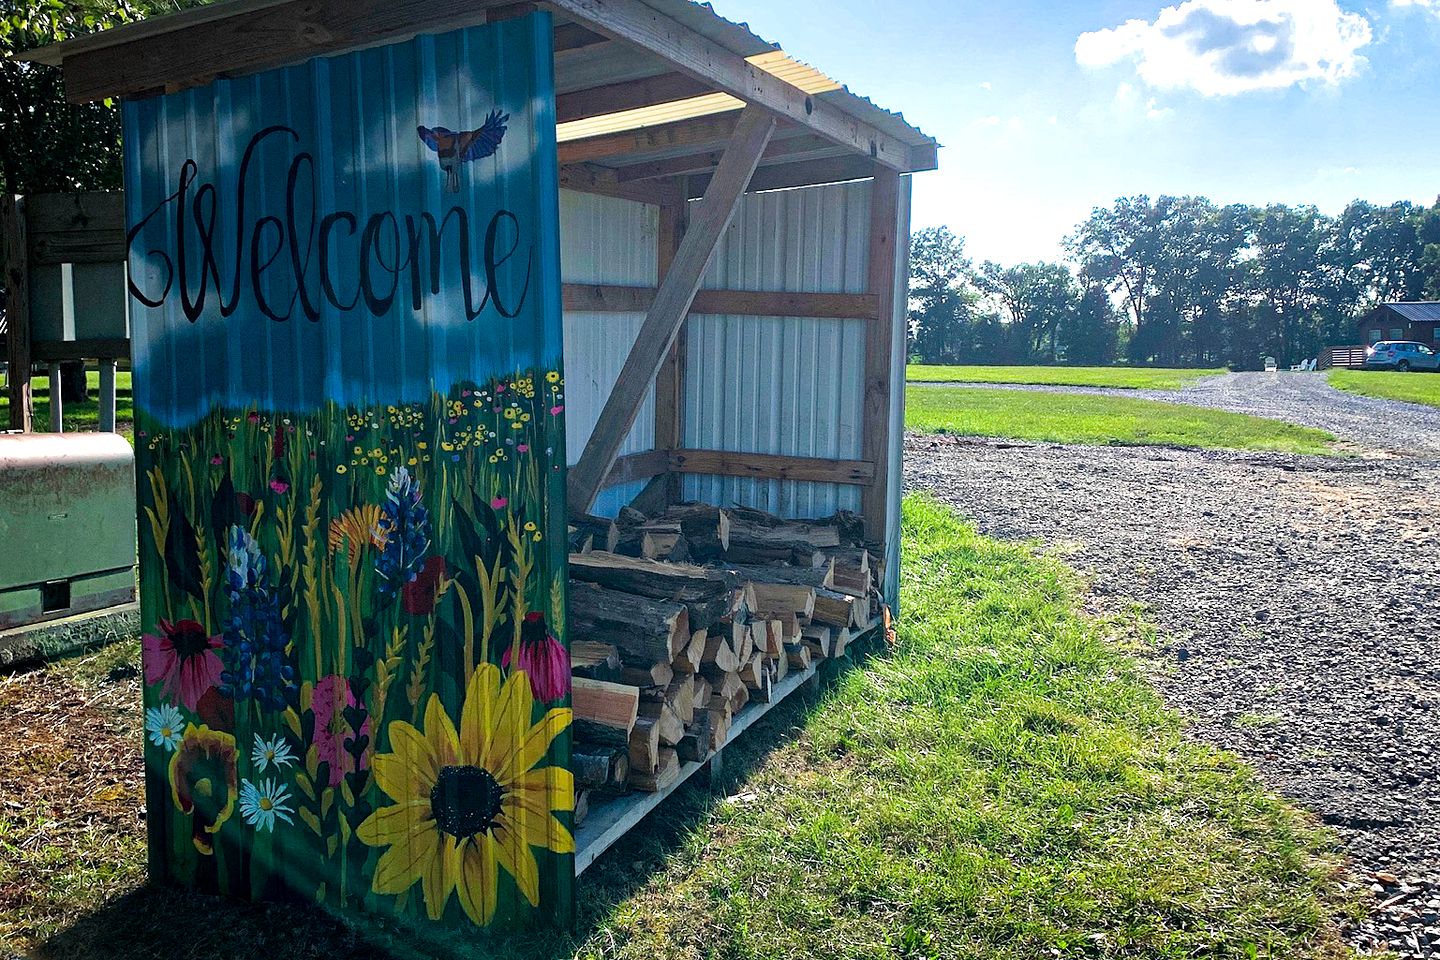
{"type": "Point", "coordinates": [155, 922]}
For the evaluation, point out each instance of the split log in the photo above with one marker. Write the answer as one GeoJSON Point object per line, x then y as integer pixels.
{"type": "Point", "coordinates": [782, 665]}
{"type": "Point", "coordinates": [765, 600]}
{"type": "Point", "coordinates": [665, 775]}
{"type": "Point", "coordinates": [604, 712]}
{"type": "Point", "coordinates": [841, 641]}
{"type": "Point", "coordinates": [598, 768]}
{"type": "Point", "coordinates": [689, 659]}
{"type": "Point", "coordinates": [664, 545]}
{"type": "Point", "coordinates": [719, 655]}
{"type": "Point", "coordinates": [819, 639]}
{"type": "Point", "coordinates": [848, 571]}
{"type": "Point", "coordinates": [706, 591]}
{"type": "Point", "coordinates": [739, 698]}
{"type": "Point", "coordinates": [706, 528]}
{"type": "Point", "coordinates": [668, 726]}
{"type": "Point", "coordinates": [838, 610]}
{"type": "Point", "coordinates": [764, 691]}
{"type": "Point", "coordinates": [595, 661]}
{"type": "Point", "coordinates": [798, 655]}
{"type": "Point", "coordinates": [658, 675]}
{"type": "Point", "coordinates": [695, 745]}
{"type": "Point", "coordinates": [681, 695]}
{"type": "Point", "coordinates": [582, 808]}
{"type": "Point", "coordinates": [719, 725]}
{"type": "Point", "coordinates": [628, 518]}
{"type": "Point", "coordinates": [752, 672]}
{"type": "Point", "coordinates": [644, 746]}
{"type": "Point", "coordinates": [598, 532]}
{"type": "Point", "coordinates": [646, 631]}
{"type": "Point", "coordinates": [703, 691]}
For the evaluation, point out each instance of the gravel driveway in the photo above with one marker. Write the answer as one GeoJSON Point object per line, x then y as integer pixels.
{"type": "Point", "coordinates": [1300, 597]}
{"type": "Point", "coordinates": [1304, 398]}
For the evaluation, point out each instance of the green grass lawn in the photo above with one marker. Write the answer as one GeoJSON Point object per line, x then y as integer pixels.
{"type": "Point", "coordinates": [1410, 387]}
{"type": "Point", "coordinates": [1135, 378]}
{"type": "Point", "coordinates": [78, 416]}
{"type": "Point", "coordinates": [1003, 784]}
{"type": "Point", "coordinates": [1092, 419]}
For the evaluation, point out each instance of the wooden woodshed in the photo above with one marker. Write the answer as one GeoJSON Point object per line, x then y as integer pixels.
{"type": "Point", "coordinates": [422, 294]}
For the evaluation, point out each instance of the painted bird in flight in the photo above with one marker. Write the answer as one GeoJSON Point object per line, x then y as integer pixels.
{"type": "Point", "coordinates": [454, 149]}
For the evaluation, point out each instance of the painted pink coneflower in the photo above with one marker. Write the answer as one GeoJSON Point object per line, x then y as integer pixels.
{"type": "Point", "coordinates": [279, 486]}
{"type": "Point", "coordinates": [182, 658]}
{"type": "Point", "coordinates": [542, 659]}
{"type": "Point", "coordinates": [499, 503]}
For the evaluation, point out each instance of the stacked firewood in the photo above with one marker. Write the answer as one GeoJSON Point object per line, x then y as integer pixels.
{"type": "Point", "coordinates": [678, 621]}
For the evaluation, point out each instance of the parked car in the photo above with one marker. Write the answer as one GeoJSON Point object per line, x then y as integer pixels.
{"type": "Point", "coordinates": [1402, 355]}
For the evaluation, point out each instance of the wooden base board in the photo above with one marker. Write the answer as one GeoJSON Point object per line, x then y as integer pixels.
{"type": "Point", "coordinates": [609, 820]}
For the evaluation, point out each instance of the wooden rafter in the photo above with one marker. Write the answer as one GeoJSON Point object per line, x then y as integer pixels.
{"type": "Point", "coordinates": [805, 173]}
{"type": "Point", "coordinates": [706, 162]}
{"type": "Point", "coordinates": [672, 302]}
{"type": "Point", "coordinates": [635, 22]}
{"type": "Point", "coordinates": [699, 132]}
{"type": "Point", "coordinates": [630, 95]}
{"type": "Point", "coordinates": [607, 298]}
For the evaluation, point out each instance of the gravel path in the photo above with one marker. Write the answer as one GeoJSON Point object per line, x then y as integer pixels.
{"type": "Point", "coordinates": [1388, 426]}
{"type": "Point", "coordinates": [1300, 596]}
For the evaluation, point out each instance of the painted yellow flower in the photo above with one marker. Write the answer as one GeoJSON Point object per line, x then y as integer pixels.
{"type": "Point", "coordinates": [469, 803]}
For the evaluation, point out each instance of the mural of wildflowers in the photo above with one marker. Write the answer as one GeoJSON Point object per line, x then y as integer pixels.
{"type": "Point", "coordinates": [357, 683]}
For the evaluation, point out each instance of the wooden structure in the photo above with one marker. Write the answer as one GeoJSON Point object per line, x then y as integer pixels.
{"type": "Point", "coordinates": [683, 124]}
{"type": "Point", "coordinates": [1418, 321]}
{"type": "Point", "coordinates": [64, 277]}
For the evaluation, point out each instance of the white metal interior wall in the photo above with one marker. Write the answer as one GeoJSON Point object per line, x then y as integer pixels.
{"type": "Point", "coordinates": [782, 385]}
{"type": "Point", "coordinates": [604, 240]}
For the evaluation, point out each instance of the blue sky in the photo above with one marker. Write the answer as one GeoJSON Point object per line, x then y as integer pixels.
{"type": "Point", "coordinates": [1253, 101]}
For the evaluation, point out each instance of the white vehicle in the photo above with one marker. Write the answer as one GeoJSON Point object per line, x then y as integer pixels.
{"type": "Point", "coordinates": [1401, 355]}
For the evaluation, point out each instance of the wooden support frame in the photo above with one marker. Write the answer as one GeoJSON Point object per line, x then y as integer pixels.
{"type": "Point", "coordinates": [17, 311]}
{"type": "Point", "coordinates": [670, 381]}
{"type": "Point", "coordinates": [672, 302]}
{"type": "Point", "coordinates": [631, 95]}
{"type": "Point", "coordinates": [732, 463]}
{"type": "Point", "coordinates": [715, 128]}
{"type": "Point", "coordinates": [606, 298]}
{"type": "Point", "coordinates": [876, 405]}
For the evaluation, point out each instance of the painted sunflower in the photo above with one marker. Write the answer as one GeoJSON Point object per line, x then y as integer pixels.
{"type": "Point", "coordinates": [468, 803]}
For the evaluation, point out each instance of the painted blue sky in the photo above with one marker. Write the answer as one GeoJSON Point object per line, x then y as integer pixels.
{"type": "Point", "coordinates": [1047, 109]}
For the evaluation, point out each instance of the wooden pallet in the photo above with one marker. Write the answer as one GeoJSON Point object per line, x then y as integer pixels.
{"type": "Point", "coordinates": [609, 820]}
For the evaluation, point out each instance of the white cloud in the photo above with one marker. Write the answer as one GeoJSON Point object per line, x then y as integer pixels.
{"type": "Point", "coordinates": [1433, 6]}
{"type": "Point", "coordinates": [1225, 47]}
{"type": "Point", "coordinates": [986, 85]}
{"type": "Point", "coordinates": [987, 122]}
{"type": "Point", "coordinates": [1128, 104]}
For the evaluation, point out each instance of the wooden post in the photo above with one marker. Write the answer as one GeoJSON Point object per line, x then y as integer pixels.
{"type": "Point", "coordinates": [17, 310]}
{"type": "Point", "coordinates": [670, 382]}
{"type": "Point", "coordinates": [57, 399]}
{"type": "Point", "coordinates": [107, 396]}
{"type": "Point", "coordinates": [875, 436]}
{"type": "Point", "coordinates": [672, 302]}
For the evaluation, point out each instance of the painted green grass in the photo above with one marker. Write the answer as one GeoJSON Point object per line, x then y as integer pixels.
{"type": "Point", "coordinates": [1003, 784]}
{"type": "Point", "coordinates": [1098, 419]}
{"type": "Point", "coordinates": [79, 416]}
{"type": "Point", "coordinates": [1409, 387]}
{"type": "Point", "coordinates": [1133, 378]}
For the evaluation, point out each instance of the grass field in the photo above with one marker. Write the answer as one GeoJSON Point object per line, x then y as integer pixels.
{"type": "Point", "coordinates": [1134, 378]}
{"type": "Point", "coordinates": [1003, 784]}
{"type": "Point", "coordinates": [78, 416]}
{"type": "Point", "coordinates": [1409, 387]}
{"type": "Point", "coordinates": [1092, 419]}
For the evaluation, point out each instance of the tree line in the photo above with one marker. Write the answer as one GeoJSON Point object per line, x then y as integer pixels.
{"type": "Point", "coordinates": [1176, 281]}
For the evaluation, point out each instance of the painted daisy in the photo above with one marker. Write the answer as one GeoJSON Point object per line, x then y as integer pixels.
{"type": "Point", "coordinates": [275, 750]}
{"type": "Point", "coordinates": [261, 803]}
{"type": "Point", "coordinates": [165, 726]}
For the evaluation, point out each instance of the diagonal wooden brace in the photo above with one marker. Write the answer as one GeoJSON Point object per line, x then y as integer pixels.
{"type": "Point", "coordinates": [672, 303]}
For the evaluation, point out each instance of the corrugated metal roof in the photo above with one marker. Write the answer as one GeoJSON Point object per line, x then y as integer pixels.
{"type": "Point", "coordinates": [1425, 311]}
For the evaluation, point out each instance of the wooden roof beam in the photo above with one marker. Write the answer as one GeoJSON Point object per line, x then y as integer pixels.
{"type": "Point", "coordinates": [631, 95]}
{"type": "Point", "coordinates": [252, 38]}
{"type": "Point", "coordinates": [804, 173]}
{"type": "Point", "coordinates": [672, 302]}
{"type": "Point", "coordinates": [634, 22]}
{"type": "Point", "coordinates": [701, 132]}
{"type": "Point", "coordinates": [708, 161]}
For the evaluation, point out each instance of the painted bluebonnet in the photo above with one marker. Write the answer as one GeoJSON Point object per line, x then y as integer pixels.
{"type": "Point", "coordinates": [402, 532]}
{"type": "Point", "coordinates": [256, 665]}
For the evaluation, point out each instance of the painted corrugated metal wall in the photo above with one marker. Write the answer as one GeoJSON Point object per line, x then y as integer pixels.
{"type": "Point", "coordinates": [782, 385]}
{"type": "Point", "coordinates": [604, 240]}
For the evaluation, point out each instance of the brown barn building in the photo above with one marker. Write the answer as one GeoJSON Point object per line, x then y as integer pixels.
{"type": "Point", "coordinates": [1403, 321]}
